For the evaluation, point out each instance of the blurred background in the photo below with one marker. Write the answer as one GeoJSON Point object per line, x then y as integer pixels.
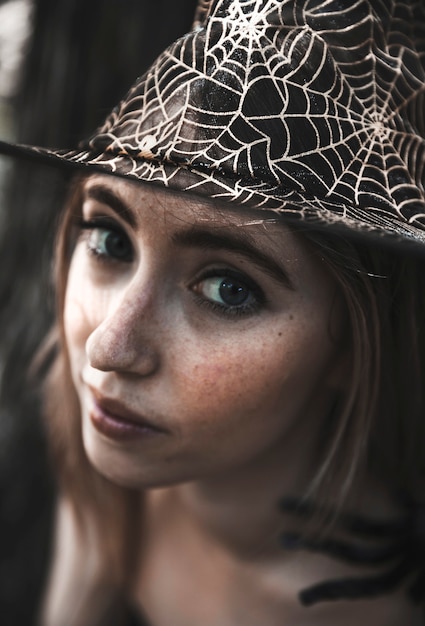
{"type": "Point", "coordinates": [63, 65]}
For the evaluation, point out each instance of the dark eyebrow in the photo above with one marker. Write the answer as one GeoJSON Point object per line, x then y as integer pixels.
{"type": "Point", "coordinates": [196, 237]}
{"type": "Point", "coordinates": [105, 196]}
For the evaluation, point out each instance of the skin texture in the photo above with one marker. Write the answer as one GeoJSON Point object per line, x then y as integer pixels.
{"type": "Point", "coordinates": [229, 390]}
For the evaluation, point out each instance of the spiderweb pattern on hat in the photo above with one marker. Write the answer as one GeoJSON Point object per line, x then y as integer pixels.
{"type": "Point", "coordinates": [300, 106]}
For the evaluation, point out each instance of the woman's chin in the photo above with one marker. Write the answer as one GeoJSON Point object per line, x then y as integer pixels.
{"type": "Point", "coordinates": [113, 463]}
{"type": "Point", "coordinates": [120, 462]}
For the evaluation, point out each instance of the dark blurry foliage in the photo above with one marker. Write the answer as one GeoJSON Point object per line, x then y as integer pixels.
{"type": "Point", "coordinates": [83, 56]}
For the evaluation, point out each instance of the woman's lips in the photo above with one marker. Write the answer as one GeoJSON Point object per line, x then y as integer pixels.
{"type": "Point", "coordinates": [116, 421]}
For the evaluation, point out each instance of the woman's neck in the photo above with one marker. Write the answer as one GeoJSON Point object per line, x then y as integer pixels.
{"type": "Point", "coordinates": [220, 540]}
{"type": "Point", "coordinates": [195, 568]}
{"type": "Point", "coordinates": [239, 507]}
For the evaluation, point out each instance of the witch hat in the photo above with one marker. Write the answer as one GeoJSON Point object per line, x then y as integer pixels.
{"type": "Point", "coordinates": [308, 109]}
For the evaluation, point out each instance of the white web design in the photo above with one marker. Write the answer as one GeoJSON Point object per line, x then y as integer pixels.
{"type": "Point", "coordinates": [295, 104]}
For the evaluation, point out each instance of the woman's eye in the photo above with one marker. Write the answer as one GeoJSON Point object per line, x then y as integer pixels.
{"type": "Point", "coordinates": [228, 293]}
{"type": "Point", "coordinates": [108, 242]}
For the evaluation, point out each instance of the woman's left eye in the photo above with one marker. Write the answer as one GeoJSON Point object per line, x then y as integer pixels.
{"type": "Point", "coordinates": [229, 293]}
{"type": "Point", "coordinates": [108, 242]}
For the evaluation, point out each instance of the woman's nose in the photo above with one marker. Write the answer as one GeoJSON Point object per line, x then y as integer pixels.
{"type": "Point", "coordinates": [125, 340]}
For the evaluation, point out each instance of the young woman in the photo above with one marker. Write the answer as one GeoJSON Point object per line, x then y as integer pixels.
{"type": "Point", "coordinates": [236, 402]}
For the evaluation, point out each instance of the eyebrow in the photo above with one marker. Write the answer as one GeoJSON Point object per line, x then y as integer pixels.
{"type": "Point", "coordinates": [196, 237]}
{"type": "Point", "coordinates": [102, 194]}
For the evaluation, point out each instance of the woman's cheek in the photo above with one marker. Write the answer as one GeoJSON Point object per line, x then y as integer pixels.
{"type": "Point", "coordinates": [86, 304]}
{"type": "Point", "coordinates": [84, 310]}
{"type": "Point", "coordinates": [228, 380]}
{"type": "Point", "coordinates": [270, 371]}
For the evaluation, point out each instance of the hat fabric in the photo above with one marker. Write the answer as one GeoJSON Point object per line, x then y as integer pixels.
{"type": "Point", "coordinates": [299, 106]}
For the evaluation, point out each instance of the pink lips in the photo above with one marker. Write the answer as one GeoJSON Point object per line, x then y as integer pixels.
{"type": "Point", "coordinates": [114, 420]}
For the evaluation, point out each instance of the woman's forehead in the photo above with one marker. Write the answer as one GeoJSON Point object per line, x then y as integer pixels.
{"type": "Point", "coordinates": [184, 216]}
{"type": "Point", "coordinates": [139, 198]}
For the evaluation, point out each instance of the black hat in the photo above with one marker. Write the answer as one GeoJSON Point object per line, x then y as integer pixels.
{"type": "Point", "coordinates": [311, 108]}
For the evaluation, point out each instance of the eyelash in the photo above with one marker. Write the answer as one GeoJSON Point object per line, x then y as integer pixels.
{"type": "Point", "coordinates": [258, 297]}
{"type": "Point", "coordinates": [103, 224]}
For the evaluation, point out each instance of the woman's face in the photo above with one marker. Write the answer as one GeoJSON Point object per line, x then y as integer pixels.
{"type": "Point", "coordinates": [198, 342]}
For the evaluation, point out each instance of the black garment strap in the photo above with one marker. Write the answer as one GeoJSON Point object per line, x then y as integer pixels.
{"type": "Point", "coordinates": [400, 546]}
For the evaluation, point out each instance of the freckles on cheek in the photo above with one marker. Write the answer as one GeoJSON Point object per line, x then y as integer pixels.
{"type": "Point", "coordinates": [226, 378]}
{"type": "Point", "coordinates": [209, 379]}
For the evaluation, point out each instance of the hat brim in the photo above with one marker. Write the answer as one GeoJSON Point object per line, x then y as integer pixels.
{"type": "Point", "coordinates": [308, 212]}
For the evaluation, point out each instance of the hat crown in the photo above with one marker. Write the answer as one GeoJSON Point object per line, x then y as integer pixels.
{"type": "Point", "coordinates": [322, 101]}
{"type": "Point", "coordinates": [311, 108]}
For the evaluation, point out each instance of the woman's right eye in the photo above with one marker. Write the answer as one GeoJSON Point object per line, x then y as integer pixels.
{"type": "Point", "coordinates": [108, 242]}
